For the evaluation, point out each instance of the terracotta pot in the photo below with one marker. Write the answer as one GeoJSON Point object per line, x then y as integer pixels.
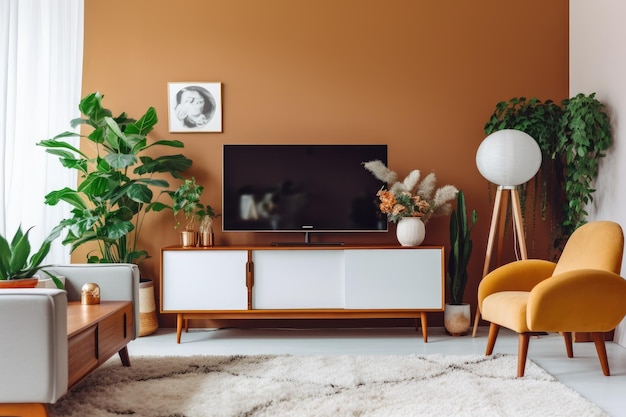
{"type": "Point", "coordinates": [19, 283]}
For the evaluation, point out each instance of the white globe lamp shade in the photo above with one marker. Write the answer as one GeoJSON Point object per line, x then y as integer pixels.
{"type": "Point", "coordinates": [508, 157]}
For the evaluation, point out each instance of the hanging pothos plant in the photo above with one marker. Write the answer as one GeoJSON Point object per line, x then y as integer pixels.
{"type": "Point", "coordinates": [572, 137]}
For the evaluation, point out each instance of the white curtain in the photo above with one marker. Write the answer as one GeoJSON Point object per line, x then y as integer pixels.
{"type": "Point", "coordinates": [41, 52]}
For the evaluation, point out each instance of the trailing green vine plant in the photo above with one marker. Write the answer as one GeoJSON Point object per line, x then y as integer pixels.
{"type": "Point", "coordinates": [584, 137]}
{"type": "Point", "coordinates": [572, 137]}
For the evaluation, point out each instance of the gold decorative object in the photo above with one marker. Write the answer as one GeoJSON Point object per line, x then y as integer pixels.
{"type": "Point", "coordinates": [188, 238]}
{"type": "Point", "coordinates": [90, 294]}
{"type": "Point", "coordinates": [206, 232]}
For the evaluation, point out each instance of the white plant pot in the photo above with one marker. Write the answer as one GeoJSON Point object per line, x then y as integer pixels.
{"type": "Point", "coordinates": [457, 319]}
{"type": "Point", "coordinates": [410, 231]}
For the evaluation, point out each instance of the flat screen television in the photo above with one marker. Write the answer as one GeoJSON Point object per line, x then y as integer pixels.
{"type": "Point", "coordinates": [301, 188]}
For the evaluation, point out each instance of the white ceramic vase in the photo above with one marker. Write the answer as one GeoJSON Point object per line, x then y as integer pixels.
{"type": "Point", "coordinates": [410, 231]}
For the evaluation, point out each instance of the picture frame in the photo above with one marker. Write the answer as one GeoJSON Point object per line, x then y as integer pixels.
{"type": "Point", "coordinates": [195, 107]}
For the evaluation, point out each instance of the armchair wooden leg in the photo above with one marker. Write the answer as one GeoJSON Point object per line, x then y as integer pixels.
{"type": "Point", "coordinates": [491, 339]}
{"type": "Point", "coordinates": [567, 336]}
{"type": "Point", "coordinates": [522, 352]}
{"type": "Point", "coordinates": [598, 339]}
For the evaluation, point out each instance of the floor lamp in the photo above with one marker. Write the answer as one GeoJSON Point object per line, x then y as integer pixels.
{"type": "Point", "coordinates": [506, 158]}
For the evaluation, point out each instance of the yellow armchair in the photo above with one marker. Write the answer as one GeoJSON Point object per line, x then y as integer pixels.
{"type": "Point", "coordinates": [581, 293]}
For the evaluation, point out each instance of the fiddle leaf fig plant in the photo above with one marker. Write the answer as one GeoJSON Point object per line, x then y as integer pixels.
{"type": "Point", "coordinates": [117, 179]}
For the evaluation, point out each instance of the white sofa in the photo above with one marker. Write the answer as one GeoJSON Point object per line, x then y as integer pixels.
{"type": "Point", "coordinates": [33, 329]}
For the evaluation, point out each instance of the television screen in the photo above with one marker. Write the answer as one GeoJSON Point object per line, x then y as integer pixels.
{"type": "Point", "coordinates": [287, 188]}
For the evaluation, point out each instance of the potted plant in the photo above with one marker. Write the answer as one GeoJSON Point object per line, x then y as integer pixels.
{"type": "Point", "coordinates": [572, 137]}
{"type": "Point", "coordinates": [17, 266]}
{"type": "Point", "coordinates": [205, 233]}
{"type": "Point", "coordinates": [186, 199]}
{"type": "Point", "coordinates": [116, 188]}
{"type": "Point", "coordinates": [457, 315]}
{"type": "Point", "coordinates": [115, 194]}
{"type": "Point", "coordinates": [410, 203]}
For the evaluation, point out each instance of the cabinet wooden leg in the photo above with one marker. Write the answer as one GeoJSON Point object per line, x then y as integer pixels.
{"type": "Point", "coordinates": [179, 326]}
{"type": "Point", "coordinates": [424, 326]}
{"type": "Point", "coordinates": [124, 356]}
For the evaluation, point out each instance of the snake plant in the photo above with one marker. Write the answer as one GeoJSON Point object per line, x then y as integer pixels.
{"type": "Point", "coordinates": [460, 249]}
{"type": "Point", "coordinates": [16, 261]}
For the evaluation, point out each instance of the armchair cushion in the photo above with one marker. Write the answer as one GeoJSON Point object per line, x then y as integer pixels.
{"type": "Point", "coordinates": [514, 316]}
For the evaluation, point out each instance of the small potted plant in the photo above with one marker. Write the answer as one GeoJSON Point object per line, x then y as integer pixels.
{"type": "Point", "coordinates": [410, 203]}
{"type": "Point", "coordinates": [186, 199]}
{"type": "Point", "coordinates": [17, 266]}
{"type": "Point", "coordinates": [457, 315]}
{"type": "Point", "coordinates": [206, 215]}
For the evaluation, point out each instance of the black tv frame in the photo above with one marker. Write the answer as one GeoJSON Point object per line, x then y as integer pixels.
{"type": "Point", "coordinates": [307, 165]}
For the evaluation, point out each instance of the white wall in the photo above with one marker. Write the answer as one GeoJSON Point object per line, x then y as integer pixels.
{"type": "Point", "coordinates": [598, 64]}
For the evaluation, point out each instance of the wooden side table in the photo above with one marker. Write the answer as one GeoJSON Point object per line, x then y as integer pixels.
{"type": "Point", "coordinates": [95, 333]}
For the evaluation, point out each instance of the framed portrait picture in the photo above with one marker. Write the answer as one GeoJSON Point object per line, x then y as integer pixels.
{"type": "Point", "coordinates": [195, 107]}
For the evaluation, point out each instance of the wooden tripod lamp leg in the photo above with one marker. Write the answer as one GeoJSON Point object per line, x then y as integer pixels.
{"type": "Point", "coordinates": [518, 223]}
{"type": "Point", "coordinates": [497, 217]}
{"type": "Point", "coordinates": [490, 241]}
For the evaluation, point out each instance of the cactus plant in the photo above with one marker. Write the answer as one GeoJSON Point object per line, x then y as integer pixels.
{"type": "Point", "coordinates": [460, 249]}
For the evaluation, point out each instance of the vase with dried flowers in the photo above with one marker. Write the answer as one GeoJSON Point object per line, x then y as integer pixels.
{"type": "Point", "coordinates": [411, 199]}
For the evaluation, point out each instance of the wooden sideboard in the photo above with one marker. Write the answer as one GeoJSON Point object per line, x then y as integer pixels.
{"type": "Point", "coordinates": [302, 282]}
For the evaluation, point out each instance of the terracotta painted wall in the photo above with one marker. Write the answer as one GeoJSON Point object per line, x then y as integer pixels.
{"type": "Point", "coordinates": [420, 76]}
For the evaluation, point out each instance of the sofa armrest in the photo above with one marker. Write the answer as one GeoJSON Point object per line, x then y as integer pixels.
{"type": "Point", "coordinates": [117, 282]}
{"type": "Point", "coordinates": [33, 345]}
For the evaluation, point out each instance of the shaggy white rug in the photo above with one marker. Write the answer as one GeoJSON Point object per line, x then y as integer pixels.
{"type": "Point", "coordinates": [284, 385]}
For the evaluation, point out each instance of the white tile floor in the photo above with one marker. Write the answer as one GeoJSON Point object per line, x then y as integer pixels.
{"type": "Point", "coordinates": [582, 373]}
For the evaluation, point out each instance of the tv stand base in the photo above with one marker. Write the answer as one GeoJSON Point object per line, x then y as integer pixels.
{"type": "Point", "coordinates": [291, 244]}
{"type": "Point", "coordinates": [182, 319]}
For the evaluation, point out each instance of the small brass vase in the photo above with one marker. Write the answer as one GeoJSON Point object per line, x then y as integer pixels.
{"type": "Point", "coordinates": [90, 294]}
{"type": "Point", "coordinates": [188, 238]}
{"type": "Point", "coordinates": [206, 238]}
